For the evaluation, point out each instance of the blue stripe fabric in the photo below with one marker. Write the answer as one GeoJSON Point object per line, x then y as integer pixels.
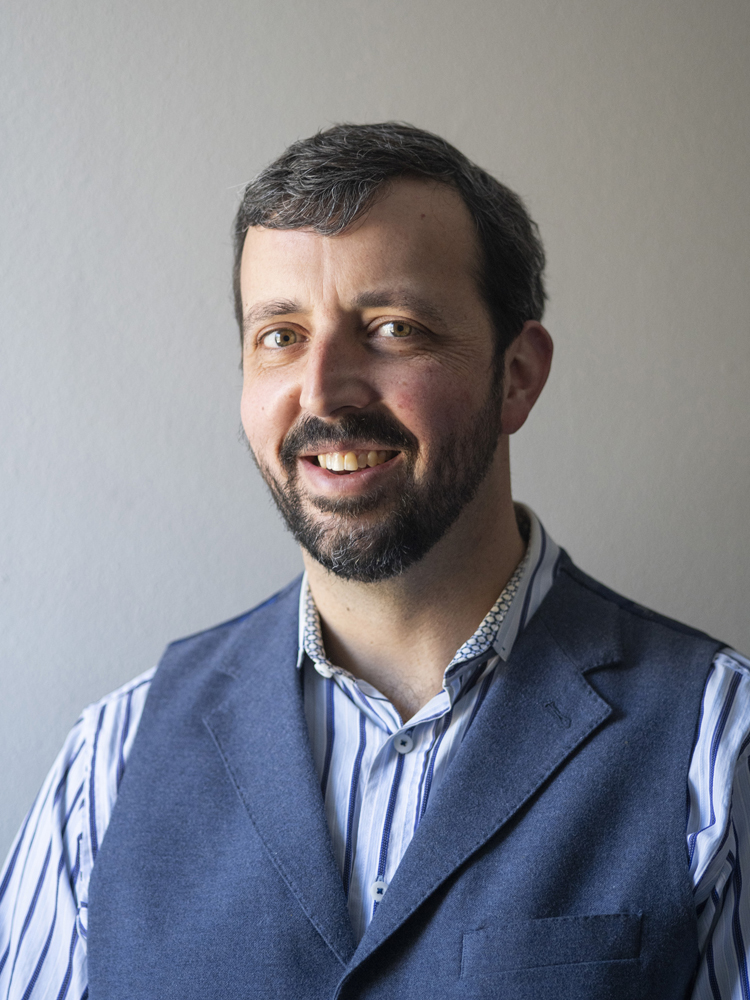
{"type": "Point", "coordinates": [330, 734]}
{"type": "Point", "coordinates": [94, 840]}
{"type": "Point", "coordinates": [351, 811]}
{"type": "Point", "coordinates": [123, 738]}
{"type": "Point", "coordinates": [716, 735]}
{"type": "Point", "coordinates": [69, 971]}
{"type": "Point", "coordinates": [43, 908]}
{"type": "Point", "coordinates": [40, 962]}
{"type": "Point", "coordinates": [432, 754]}
{"type": "Point", "coordinates": [10, 864]}
{"type": "Point", "coordinates": [374, 795]}
{"type": "Point", "coordinates": [718, 830]}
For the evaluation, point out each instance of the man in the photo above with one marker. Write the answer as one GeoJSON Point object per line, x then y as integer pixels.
{"type": "Point", "coordinates": [444, 762]}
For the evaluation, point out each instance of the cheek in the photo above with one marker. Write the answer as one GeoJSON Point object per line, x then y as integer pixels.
{"type": "Point", "coordinates": [435, 404]}
{"type": "Point", "coordinates": [266, 415]}
{"type": "Point", "coordinates": [249, 412]}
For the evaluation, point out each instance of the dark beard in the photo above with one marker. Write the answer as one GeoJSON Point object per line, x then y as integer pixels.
{"type": "Point", "coordinates": [420, 516]}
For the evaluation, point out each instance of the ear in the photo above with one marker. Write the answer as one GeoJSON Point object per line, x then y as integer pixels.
{"type": "Point", "coordinates": [526, 367]}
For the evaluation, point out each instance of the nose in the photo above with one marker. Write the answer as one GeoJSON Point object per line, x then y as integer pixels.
{"type": "Point", "coordinates": [337, 375]}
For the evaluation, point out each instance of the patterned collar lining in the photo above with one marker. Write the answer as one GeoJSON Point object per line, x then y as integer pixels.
{"type": "Point", "coordinates": [485, 636]}
{"type": "Point", "coordinates": [483, 640]}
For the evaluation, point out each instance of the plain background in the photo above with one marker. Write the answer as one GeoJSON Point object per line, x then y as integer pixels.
{"type": "Point", "coordinates": [130, 513]}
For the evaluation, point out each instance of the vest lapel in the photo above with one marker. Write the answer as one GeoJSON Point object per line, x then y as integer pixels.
{"type": "Point", "coordinates": [539, 710]}
{"type": "Point", "coordinates": [261, 733]}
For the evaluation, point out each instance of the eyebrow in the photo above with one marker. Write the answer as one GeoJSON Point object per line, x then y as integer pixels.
{"type": "Point", "coordinates": [404, 298]}
{"type": "Point", "coordinates": [376, 299]}
{"type": "Point", "coordinates": [267, 310]}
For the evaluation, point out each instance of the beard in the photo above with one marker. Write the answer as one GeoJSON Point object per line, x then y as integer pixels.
{"type": "Point", "coordinates": [379, 534]}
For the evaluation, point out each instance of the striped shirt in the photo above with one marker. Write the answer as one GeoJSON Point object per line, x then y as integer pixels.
{"type": "Point", "coordinates": [378, 774]}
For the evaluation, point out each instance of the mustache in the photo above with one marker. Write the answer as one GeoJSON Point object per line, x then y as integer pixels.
{"type": "Point", "coordinates": [312, 434]}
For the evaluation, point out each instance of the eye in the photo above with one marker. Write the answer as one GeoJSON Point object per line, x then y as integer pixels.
{"type": "Point", "coordinates": [395, 328]}
{"type": "Point", "coordinates": [280, 338]}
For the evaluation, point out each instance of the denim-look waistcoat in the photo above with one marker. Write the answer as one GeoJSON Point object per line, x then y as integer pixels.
{"type": "Point", "coordinates": [551, 863]}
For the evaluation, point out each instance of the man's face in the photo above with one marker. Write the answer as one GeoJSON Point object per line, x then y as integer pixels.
{"type": "Point", "coordinates": [372, 353]}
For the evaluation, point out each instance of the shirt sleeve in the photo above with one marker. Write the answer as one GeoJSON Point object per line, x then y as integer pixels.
{"type": "Point", "coordinates": [719, 831]}
{"type": "Point", "coordinates": [42, 936]}
{"type": "Point", "coordinates": [44, 884]}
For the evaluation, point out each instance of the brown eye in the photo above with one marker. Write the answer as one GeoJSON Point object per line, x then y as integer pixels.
{"type": "Point", "coordinates": [397, 329]}
{"type": "Point", "coordinates": [280, 338]}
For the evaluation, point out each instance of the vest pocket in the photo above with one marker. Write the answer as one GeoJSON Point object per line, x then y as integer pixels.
{"type": "Point", "coordinates": [511, 945]}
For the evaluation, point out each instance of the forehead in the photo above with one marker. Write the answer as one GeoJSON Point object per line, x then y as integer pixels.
{"type": "Point", "coordinates": [418, 234]}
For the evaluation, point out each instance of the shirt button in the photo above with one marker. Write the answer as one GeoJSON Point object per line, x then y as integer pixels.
{"type": "Point", "coordinates": [378, 890]}
{"type": "Point", "coordinates": [403, 742]}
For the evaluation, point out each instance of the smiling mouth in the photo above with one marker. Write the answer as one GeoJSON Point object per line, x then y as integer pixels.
{"type": "Point", "coordinates": [345, 462]}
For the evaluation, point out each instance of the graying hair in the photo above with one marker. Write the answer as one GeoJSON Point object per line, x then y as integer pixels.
{"type": "Point", "coordinates": [326, 182]}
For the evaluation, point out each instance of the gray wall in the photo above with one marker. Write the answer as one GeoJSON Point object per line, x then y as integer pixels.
{"type": "Point", "coordinates": [130, 513]}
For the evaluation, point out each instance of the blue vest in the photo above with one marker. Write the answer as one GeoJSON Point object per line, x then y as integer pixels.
{"type": "Point", "coordinates": [550, 865]}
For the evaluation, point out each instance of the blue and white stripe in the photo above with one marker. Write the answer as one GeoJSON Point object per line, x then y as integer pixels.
{"type": "Point", "coordinates": [374, 796]}
{"type": "Point", "coordinates": [44, 886]}
{"type": "Point", "coordinates": [718, 830]}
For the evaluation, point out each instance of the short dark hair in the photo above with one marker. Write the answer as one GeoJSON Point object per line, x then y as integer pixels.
{"type": "Point", "coordinates": [328, 181]}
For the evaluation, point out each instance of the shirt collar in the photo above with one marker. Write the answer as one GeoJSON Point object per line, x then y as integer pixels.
{"type": "Point", "coordinates": [500, 627]}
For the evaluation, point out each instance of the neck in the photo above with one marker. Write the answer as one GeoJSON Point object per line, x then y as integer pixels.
{"type": "Point", "coordinates": [399, 635]}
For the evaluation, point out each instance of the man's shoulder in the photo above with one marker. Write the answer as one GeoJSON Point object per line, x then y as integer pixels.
{"type": "Point", "coordinates": [627, 607]}
{"type": "Point", "coordinates": [590, 611]}
{"type": "Point", "coordinates": [213, 640]}
{"type": "Point", "coordinates": [119, 707]}
{"type": "Point", "coordinates": [195, 669]}
{"type": "Point", "coordinates": [196, 672]}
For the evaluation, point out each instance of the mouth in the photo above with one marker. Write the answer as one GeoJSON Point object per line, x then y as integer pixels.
{"type": "Point", "coordinates": [344, 463]}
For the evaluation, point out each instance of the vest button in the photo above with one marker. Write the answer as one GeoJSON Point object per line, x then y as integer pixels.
{"type": "Point", "coordinates": [378, 889]}
{"type": "Point", "coordinates": [403, 742]}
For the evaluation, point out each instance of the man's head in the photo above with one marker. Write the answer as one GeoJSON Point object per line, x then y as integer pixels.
{"type": "Point", "coordinates": [327, 182]}
{"type": "Point", "coordinates": [372, 354]}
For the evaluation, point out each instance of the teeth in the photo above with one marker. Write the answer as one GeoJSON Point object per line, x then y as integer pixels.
{"type": "Point", "coordinates": [350, 461]}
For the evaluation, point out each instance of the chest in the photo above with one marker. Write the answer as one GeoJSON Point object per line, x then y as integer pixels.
{"type": "Point", "coordinates": [550, 862]}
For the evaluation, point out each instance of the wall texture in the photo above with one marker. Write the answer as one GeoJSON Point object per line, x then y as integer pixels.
{"type": "Point", "coordinates": [130, 513]}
